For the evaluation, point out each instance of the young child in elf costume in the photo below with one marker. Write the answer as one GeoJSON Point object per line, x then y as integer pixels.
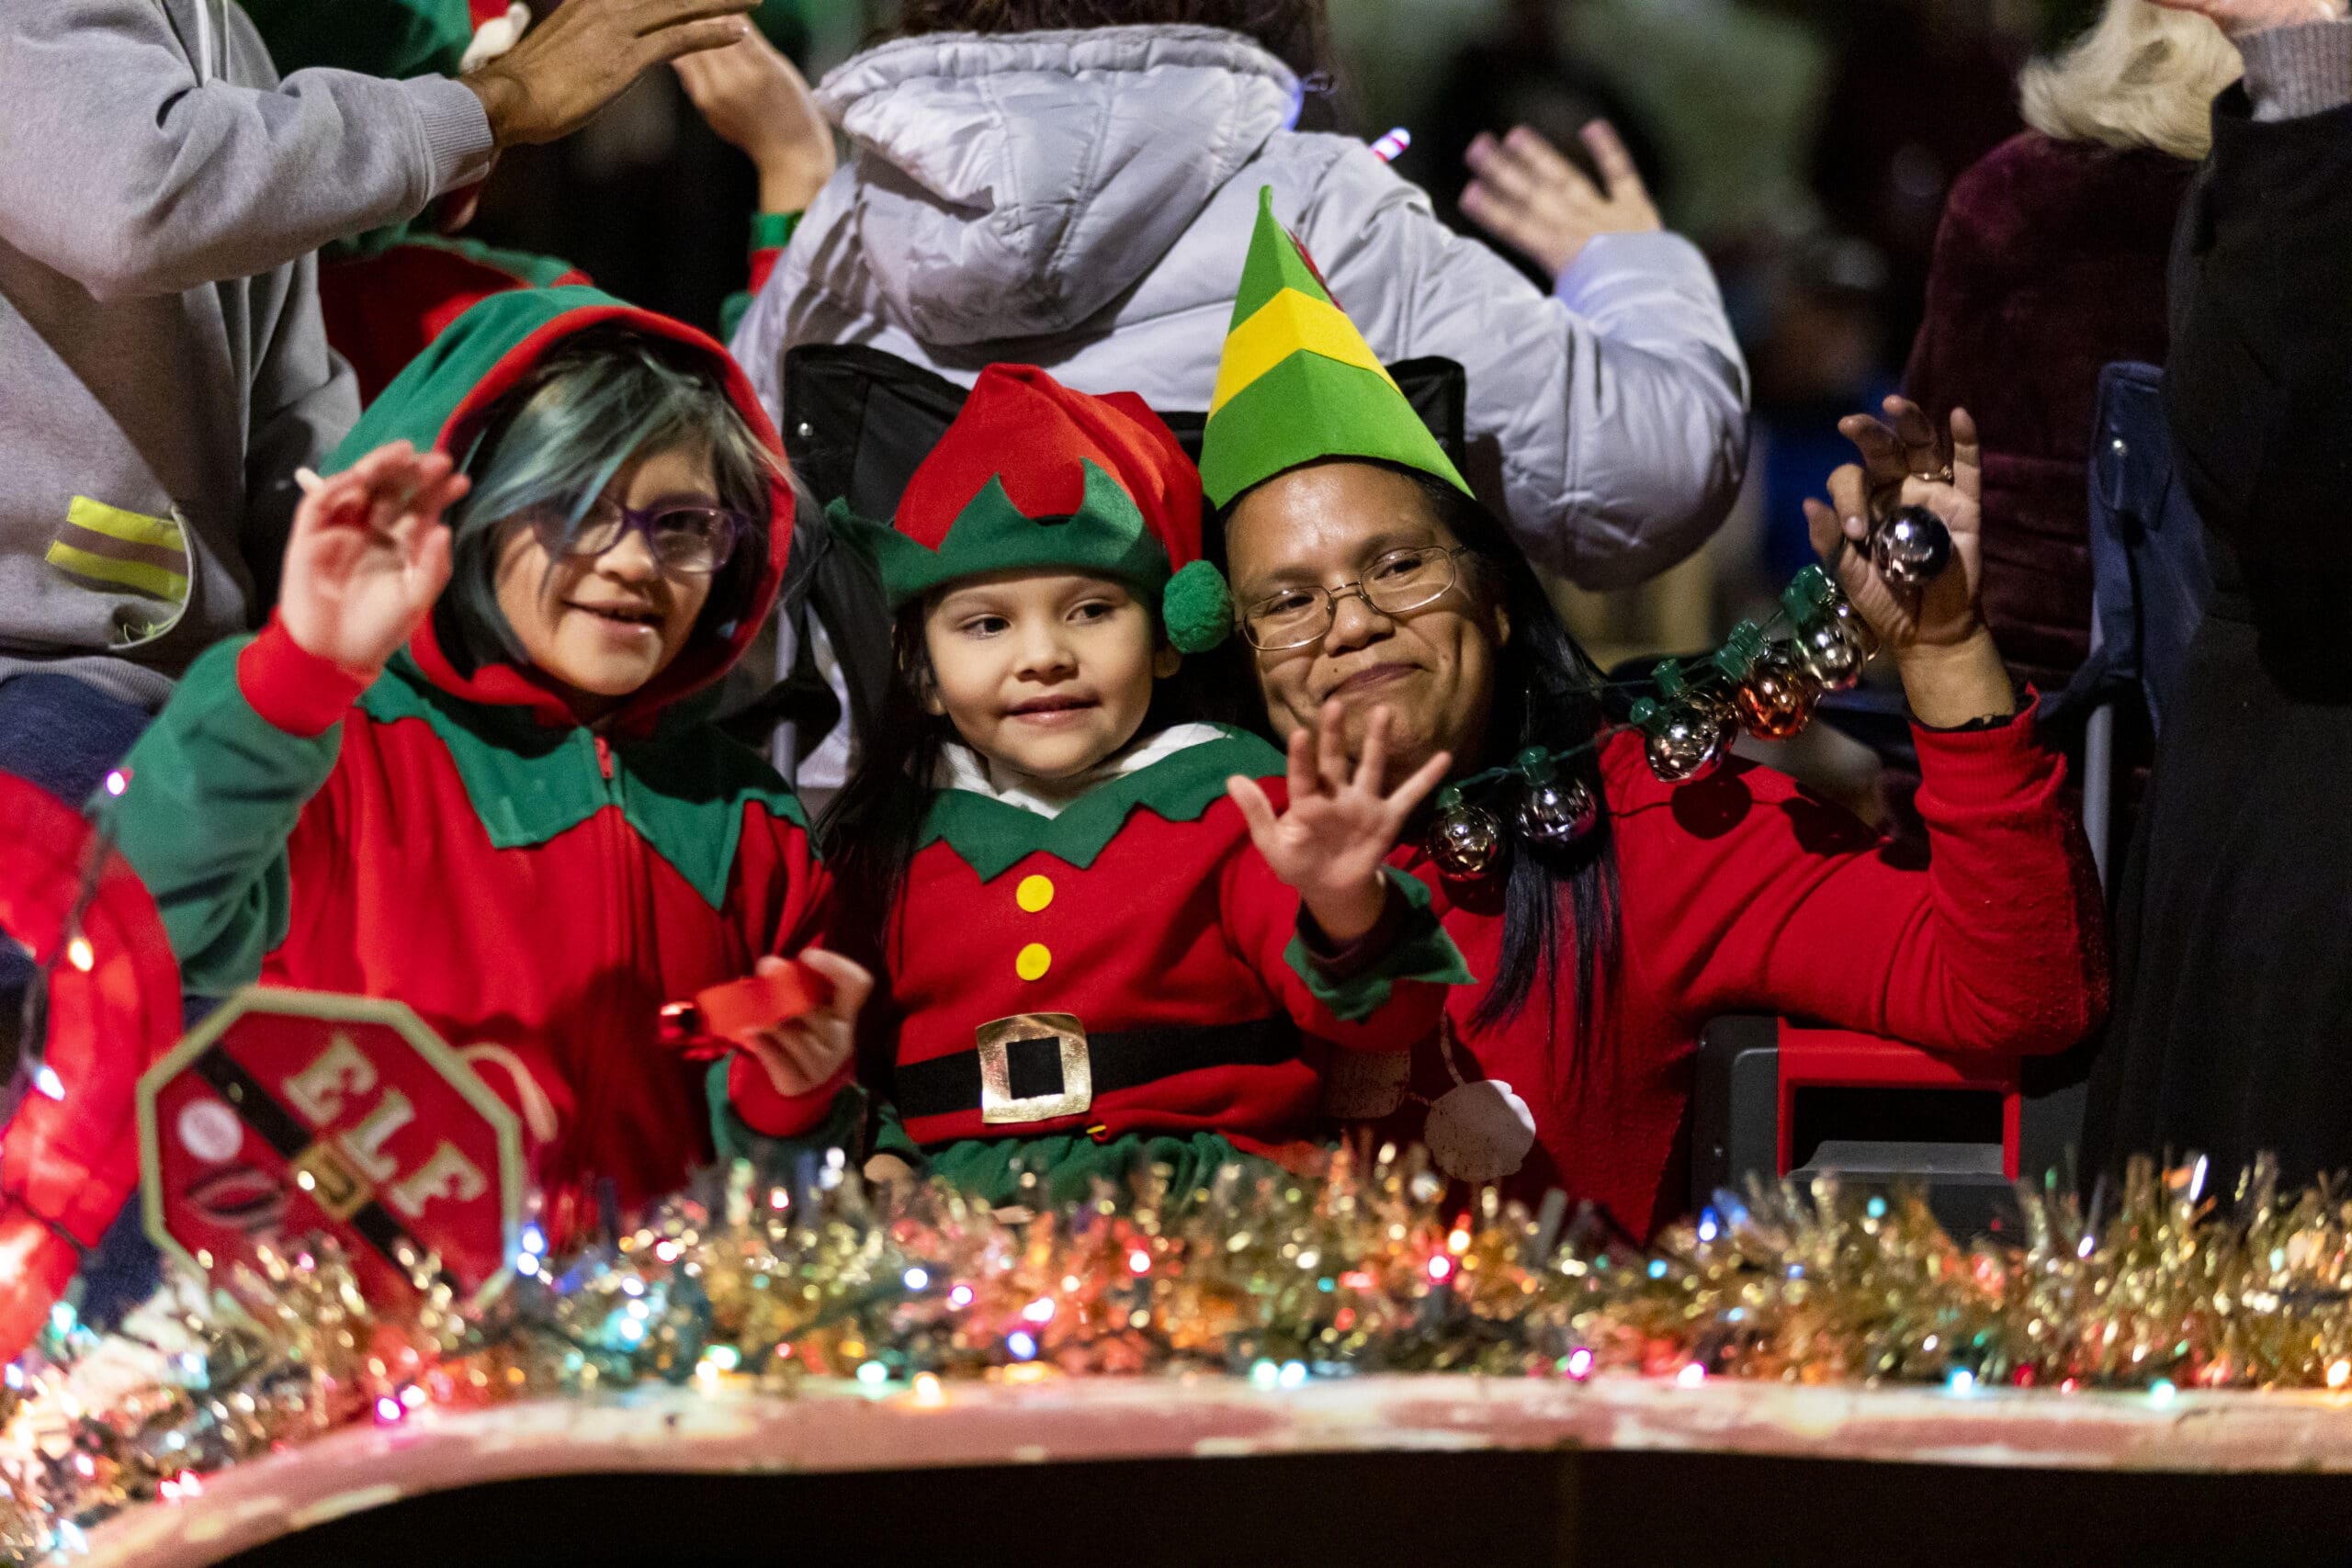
{"type": "Point", "coordinates": [1104, 941]}
{"type": "Point", "coordinates": [461, 767]}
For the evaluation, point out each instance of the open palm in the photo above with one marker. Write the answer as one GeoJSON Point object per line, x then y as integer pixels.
{"type": "Point", "coordinates": [1330, 841]}
{"type": "Point", "coordinates": [2236, 17]}
{"type": "Point", "coordinates": [368, 556]}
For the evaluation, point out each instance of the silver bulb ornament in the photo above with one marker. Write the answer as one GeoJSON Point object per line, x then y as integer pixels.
{"type": "Point", "coordinates": [1829, 656]}
{"type": "Point", "coordinates": [1910, 547]}
{"type": "Point", "coordinates": [1556, 812]}
{"type": "Point", "coordinates": [1465, 840]}
{"type": "Point", "coordinates": [1681, 739]}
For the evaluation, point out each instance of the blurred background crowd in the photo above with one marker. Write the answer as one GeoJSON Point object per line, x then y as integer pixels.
{"type": "Point", "coordinates": [1810, 147]}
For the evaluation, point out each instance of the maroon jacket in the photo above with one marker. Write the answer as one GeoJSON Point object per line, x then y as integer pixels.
{"type": "Point", "coordinates": [2048, 265]}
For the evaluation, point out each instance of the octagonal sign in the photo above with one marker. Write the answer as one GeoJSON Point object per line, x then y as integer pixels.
{"type": "Point", "coordinates": [289, 1113]}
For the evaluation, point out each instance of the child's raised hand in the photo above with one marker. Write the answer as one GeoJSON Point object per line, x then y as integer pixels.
{"type": "Point", "coordinates": [805, 1053]}
{"type": "Point", "coordinates": [368, 556]}
{"type": "Point", "coordinates": [1339, 828]}
{"type": "Point", "coordinates": [752, 97]}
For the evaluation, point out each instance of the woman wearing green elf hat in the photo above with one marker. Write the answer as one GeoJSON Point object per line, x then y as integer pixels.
{"type": "Point", "coordinates": [1607, 913]}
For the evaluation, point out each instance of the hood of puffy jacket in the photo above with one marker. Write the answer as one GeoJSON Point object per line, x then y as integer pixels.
{"type": "Point", "coordinates": [440, 402]}
{"type": "Point", "coordinates": [1012, 185]}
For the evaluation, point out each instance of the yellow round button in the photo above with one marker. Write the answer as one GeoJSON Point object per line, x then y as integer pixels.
{"type": "Point", "coordinates": [1035, 892]}
{"type": "Point", "coordinates": [1033, 960]}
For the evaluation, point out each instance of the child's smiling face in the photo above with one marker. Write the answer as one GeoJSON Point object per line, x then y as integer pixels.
{"type": "Point", "coordinates": [1045, 673]}
{"type": "Point", "coordinates": [604, 624]}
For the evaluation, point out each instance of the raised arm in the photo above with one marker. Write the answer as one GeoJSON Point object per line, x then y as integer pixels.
{"type": "Point", "coordinates": [1617, 404]}
{"type": "Point", "coordinates": [1998, 941]}
{"type": "Point", "coordinates": [219, 783]}
{"type": "Point", "coordinates": [136, 171]}
{"type": "Point", "coordinates": [139, 165]}
{"type": "Point", "coordinates": [1349, 945]}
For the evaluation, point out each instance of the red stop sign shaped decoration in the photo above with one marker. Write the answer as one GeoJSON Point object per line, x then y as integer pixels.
{"type": "Point", "coordinates": [289, 1113]}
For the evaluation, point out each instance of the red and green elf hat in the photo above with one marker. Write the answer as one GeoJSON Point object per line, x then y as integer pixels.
{"type": "Point", "coordinates": [1034, 476]}
{"type": "Point", "coordinates": [1298, 381]}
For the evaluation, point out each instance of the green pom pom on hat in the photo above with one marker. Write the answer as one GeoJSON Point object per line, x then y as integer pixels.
{"type": "Point", "coordinates": [1196, 608]}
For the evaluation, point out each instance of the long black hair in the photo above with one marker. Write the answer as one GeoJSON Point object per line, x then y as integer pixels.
{"type": "Point", "coordinates": [871, 830]}
{"type": "Point", "coordinates": [1547, 693]}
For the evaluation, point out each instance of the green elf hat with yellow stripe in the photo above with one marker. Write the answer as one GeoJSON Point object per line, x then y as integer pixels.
{"type": "Point", "coordinates": [1034, 476]}
{"type": "Point", "coordinates": [1298, 383]}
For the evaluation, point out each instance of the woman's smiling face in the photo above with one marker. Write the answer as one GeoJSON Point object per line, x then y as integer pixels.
{"type": "Point", "coordinates": [1433, 667]}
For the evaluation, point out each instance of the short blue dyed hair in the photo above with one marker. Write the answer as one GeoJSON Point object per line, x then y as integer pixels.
{"type": "Point", "coordinates": [557, 440]}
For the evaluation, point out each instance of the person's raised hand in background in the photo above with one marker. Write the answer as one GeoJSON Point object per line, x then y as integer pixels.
{"type": "Point", "coordinates": [754, 99]}
{"type": "Point", "coordinates": [585, 53]}
{"type": "Point", "coordinates": [1528, 194]}
{"type": "Point", "coordinates": [368, 556]}
{"type": "Point", "coordinates": [2239, 17]}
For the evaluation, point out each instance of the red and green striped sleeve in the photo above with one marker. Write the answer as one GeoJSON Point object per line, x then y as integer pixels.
{"type": "Point", "coordinates": [215, 787]}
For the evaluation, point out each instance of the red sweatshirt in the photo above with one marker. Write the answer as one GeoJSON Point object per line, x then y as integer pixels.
{"type": "Point", "coordinates": [1740, 893]}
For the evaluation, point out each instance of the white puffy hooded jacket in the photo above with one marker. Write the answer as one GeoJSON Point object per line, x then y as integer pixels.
{"type": "Point", "coordinates": [1083, 201]}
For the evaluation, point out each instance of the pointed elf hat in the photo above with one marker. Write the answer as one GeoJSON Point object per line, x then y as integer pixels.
{"type": "Point", "coordinates": [1032, 476]}
{"type": "Point", "coordinates": [1298, 381]}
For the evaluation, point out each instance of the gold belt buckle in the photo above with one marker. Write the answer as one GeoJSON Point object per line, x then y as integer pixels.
{"type": "Point", "coordinates": [998, 1106]}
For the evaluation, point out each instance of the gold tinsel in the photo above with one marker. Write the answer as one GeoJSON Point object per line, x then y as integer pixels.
{"type": "Point", "coordinates": [1259, 1275]}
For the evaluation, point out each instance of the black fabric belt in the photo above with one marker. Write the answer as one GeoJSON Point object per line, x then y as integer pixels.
{"type": "Point", "coordinates": [1120, 1059]}
{"type": "Point", "coordinates": [259, 1109]}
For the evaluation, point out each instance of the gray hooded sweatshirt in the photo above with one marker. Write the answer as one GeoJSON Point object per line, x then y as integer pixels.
{"type": "Point", "coordinates": [1083, 201]}
{"type": "Point", "coordinates": [163, 369]}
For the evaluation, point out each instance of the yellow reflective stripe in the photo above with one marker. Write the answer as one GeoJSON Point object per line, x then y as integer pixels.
{"type": "Point", "coordinates": [137, 575]}
{"type": "Point", "coordinates": [130, 527]}
{"type": "Point", "coordinates": [1287, 324]}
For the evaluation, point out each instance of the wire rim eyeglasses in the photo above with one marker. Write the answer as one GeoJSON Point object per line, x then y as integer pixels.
{"type": "Point", "coordinates": [1396, 583]}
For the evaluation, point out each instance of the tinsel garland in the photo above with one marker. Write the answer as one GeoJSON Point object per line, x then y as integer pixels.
{"type": "Point", "coordinates": [1276, 1278]}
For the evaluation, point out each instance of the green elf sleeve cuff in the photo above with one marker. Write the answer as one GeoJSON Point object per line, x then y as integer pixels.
{"type": "Point", "coordinates": [843, 1128]}
{"type": "Point", "coordinates": [771, 232]}
{"type": "Point", "coordinates": [1357, 984]}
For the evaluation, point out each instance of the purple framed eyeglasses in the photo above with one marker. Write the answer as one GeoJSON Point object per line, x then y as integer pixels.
{"type": "Point", "coordinates": [692, 537]}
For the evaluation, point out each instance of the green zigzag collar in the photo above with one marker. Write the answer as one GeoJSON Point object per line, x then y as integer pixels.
{"type": "Point", "coordinates": [991, 837]}
{"type": "Point", "coordinates": [684, 790]}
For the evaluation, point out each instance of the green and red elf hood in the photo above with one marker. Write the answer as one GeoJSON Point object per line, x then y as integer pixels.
{"type": "Point", "coordinates": [1032, 476]}
{"type": "Point", "coordinates": [440, 401]}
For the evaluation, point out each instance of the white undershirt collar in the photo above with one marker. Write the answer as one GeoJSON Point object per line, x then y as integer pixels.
{"type": "Point", "coordinates": [962, 768]}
